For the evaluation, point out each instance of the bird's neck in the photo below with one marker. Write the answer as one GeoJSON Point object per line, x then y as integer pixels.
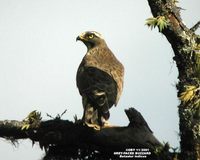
{"type": "Point", "coordinates": [91, 46]}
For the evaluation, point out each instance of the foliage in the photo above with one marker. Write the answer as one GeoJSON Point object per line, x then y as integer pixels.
{"type": "Point", "coordinates": [189, 93]}
{"type": "Point", "coordinates": [160, 21]}
{"type": "Point", "coordinates": [32, 120]}
{"type": "Point", "coordinates": [175, 1]}
{"type": "Point", "coordinates": [196, 49]}
{"type": "Point", "coordinates": [163, 152]}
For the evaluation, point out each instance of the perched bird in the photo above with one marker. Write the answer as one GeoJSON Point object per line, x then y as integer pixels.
{"type": "Point", "coordinates": [99, 80]}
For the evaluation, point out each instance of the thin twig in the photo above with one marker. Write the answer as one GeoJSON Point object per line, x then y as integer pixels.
{"type": "Point", "coordinates": [195, 27]}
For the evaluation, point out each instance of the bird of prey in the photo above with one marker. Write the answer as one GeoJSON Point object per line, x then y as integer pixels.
{"type": "Point", "coordinates": [99, 80]}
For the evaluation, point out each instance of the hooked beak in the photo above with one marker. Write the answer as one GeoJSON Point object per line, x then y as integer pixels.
{"type": "Point", "coordinates": [78, 38]}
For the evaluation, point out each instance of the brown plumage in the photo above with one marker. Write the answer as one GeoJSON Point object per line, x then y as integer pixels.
{"type": "Point", "coordinates": [99, 79]}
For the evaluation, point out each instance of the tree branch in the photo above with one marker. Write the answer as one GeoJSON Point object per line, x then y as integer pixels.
{"type": "Point", "coordinates": [195, 27]}
{"type": "Point", "coordinates": [59, 133]}
{"type": "Point", "coordinates": [12, 128]}
{"type": "Point", "coordinates": [186, 47]}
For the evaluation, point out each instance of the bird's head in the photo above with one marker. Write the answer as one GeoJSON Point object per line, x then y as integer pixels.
{"type": "Point", "coordinates": [91, 39]}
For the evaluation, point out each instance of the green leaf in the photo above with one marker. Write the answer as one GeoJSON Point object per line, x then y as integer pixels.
{"type": "Point", "coordinates": [25, 127]}
{"type": "Point", "coordinates": [32, 120]}
{"type": "Point", "coordinates": [159, 21]}
{"type": "Point", "coordinates": [162, 23]}
{"type": "Point", "coordinates": [151, 22]}
{"type": "Point", "coordinates": [188, 94]}
{"type": "Point", "coordinates": [175, 1]}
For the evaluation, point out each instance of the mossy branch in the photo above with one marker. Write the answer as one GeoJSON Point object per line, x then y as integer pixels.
{"type": "Point", "coordinates": [58, 135]}
{"type": "Point", "coordinates": [185, 43]}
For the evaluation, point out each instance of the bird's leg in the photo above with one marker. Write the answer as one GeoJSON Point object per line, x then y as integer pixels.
{"type": "Point", "coordinates": [90, 115]}
{"type": "Point", "coordinates": [93, 120]}
{"type": "Point", "coordinates": [103, 109]}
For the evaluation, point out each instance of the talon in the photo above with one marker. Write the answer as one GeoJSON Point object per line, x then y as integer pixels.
{"type": "Point", "coordinates": [96, 127]}
{"type": "Point", "coordinates": [107, 125]}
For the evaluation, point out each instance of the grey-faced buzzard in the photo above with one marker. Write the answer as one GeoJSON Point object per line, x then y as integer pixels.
{"type": "Point", "coordinates": [99, 80]}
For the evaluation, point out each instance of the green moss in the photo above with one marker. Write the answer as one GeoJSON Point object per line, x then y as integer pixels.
{"type": "Point", "coordinates": [32, 120]}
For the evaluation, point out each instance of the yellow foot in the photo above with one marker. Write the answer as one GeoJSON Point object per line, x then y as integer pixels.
{"type": "Point", "coordinates": [95, 126]}
{"type": "Point", "coordinates": [107, 125]}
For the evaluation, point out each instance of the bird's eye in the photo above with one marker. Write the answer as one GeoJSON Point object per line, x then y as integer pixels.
{"type": "Point", "coordinates": [91, 36]}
